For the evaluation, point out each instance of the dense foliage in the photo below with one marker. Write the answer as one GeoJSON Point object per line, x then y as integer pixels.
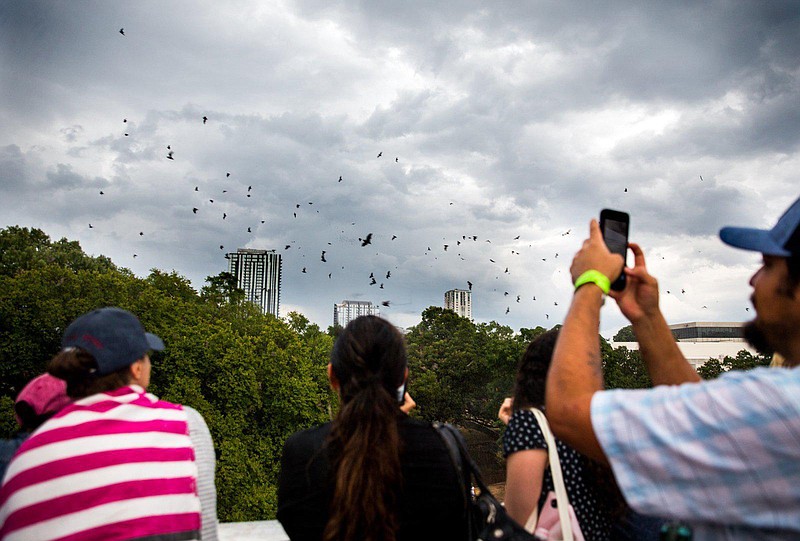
{"type": "Point", "coordinates": [461, 371]}
{"type": "Point", "coordinates": [744, 360]}
{"type": "Point", "coordinates": [625, 334]}
{"type": "Point", "coordinates": [254, 378]}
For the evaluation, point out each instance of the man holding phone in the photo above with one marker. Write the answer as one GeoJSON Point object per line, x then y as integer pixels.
{"type": "Point", "coordinates": [721, 455]}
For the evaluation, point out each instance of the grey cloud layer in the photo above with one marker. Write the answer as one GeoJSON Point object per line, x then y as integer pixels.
{"type": "Point", "coordinates": [527, 117]}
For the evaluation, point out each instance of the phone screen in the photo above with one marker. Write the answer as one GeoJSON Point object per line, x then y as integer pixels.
{"type": "Point", "coordinates": [614, 225]}
{"type": "Point", "coordinates": [616, 236]}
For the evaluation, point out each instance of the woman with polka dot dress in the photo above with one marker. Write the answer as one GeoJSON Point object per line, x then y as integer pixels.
{"type": "Point", "coordinates": [591, 488]}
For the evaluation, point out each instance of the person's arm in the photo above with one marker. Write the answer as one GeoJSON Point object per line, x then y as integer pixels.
{"type": "Point", "coordinates": [639, 303]}
{"type": "Point", "coordinates": [408, 404]}
{"type": "Point", "coordinates": [206, 464]}
{"type": "Point", "coordinates": [576, 374]}
{"type": "Point", "coordinates": [505, 411]}
{"type": "Point", "coordinates": [576, 371]}
{"type": "Point", "coordinates": [524, 474]}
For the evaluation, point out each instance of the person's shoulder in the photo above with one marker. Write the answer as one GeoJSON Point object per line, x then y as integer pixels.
{"type": "Point", "coordinates": [312, 432]}
{"type": "Point", "coordinates": [310, 438]}
{"type": "Point", "coordinates": [762, 373]}
{"type": "Point", "coordinates": [193, 414]}
{"type": "Point", "coordinates": [412, 427]}
{"type": "Point", "coordinates": [762, 380]}
{"type": "Point", "coordinates": [736, 390]}
{"type": "Point", "coordinates": [410, 423]}
{"type": "Point", "coordinates": [523, 420]}
{"type": "Point", "coordinates": [419, 433]}
{"type": "Point", "coordinates": [780, 384]}
{"type": "Point", "coordinates": [524, 414]}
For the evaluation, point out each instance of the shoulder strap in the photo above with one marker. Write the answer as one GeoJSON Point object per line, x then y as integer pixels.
{"type": "Point", "coordinates": [470, 467]}
{"type": "Point", "coordinates": [558, 478]}
{"type": "Point", "coordinates": [445, 432]}
{"type": "Point", "coordinates": [461, 464]}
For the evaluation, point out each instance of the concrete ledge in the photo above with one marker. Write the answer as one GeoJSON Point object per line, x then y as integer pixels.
{"type": "Point", "coordinates": [263, 530]}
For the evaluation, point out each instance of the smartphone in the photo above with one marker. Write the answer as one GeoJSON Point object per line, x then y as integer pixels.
{"type": "Point", "coordinates": [615, 224]}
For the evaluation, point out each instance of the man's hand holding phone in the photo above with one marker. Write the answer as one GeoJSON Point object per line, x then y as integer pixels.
{"type": "Point", "coordinates": [594, 254]}
{"type": "Point", "coordinates": [615, 226]}
{"type": "Point", "coordinates": [640, 298]}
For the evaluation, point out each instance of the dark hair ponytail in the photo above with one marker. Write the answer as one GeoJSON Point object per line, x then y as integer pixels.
{"type": "Point", "coordinates": [369, 361]}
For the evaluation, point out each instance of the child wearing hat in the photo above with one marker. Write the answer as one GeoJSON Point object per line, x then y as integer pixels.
{"type": "Point", "coordinates": [40, 399]}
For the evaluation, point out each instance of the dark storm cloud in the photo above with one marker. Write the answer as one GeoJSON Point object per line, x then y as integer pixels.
{"type": "Point", "coordinates": [691, 51]}
{"type": "Point", "coordinates": [12, 168]}
{"type": "Point", "coordinates": [495, 120]}
{"type": "Point", "coordinates": [763, 126]}
{"type": "Point", "coordinates": [674, 51]}
{"type": "Point", "coordinates": [64, 178]}
{"type": "Point", "coordinates": [701, 208]}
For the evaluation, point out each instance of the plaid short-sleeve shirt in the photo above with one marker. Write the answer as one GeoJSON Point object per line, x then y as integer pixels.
{"type": "Point", "coordinates": [723, 455]}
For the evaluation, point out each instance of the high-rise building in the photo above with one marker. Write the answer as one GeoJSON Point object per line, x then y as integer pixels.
{"type": "Point", "coordinates": [347, 311]}
{"type": "Point", "coordinates": [459, 301]}
{"type": "Point", "coordinates": [258, 273]}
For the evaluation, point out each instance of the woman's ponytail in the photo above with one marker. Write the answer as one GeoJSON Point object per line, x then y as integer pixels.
{"type": "Point", "coordinates": [364, 444]}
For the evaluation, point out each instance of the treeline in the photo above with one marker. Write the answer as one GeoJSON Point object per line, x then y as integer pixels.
{"type": "Point", "coordinates": [256, 379]}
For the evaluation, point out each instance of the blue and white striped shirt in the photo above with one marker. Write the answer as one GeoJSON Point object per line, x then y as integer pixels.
{"type": "Point", "coordinates": [722, 455]}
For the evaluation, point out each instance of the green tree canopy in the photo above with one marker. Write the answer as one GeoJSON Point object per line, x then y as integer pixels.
{"type": "Point", "coordinates": [254, 378]}
{"type": "Point", "coordinates": [460, 371]}
{"type": "Point", "coordinates": [744, 360]}
{"type": "Point", "coordinates": [222, 289]}
{"type": "Point", "coordinates": [23, 249]}
{"type": "Point", "coordinates": [625, 334]}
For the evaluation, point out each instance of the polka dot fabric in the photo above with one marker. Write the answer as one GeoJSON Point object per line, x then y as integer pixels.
{"type": "Point", "coordinates": [523, 433]}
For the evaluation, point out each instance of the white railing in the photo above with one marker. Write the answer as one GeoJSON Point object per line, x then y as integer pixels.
{"type": "Point", "coordinates": [263, 530]}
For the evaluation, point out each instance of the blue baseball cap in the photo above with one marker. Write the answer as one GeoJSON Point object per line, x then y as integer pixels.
{"type": "Point", "coordinates": [783, 240]}
{"type": "Point", "coordinates": [113, 336]}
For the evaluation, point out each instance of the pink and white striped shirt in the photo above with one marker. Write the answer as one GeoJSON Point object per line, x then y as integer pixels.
{"type": "Point", "coordinates": [112, 466]}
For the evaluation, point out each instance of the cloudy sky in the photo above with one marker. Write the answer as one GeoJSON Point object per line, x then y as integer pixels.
{"type": "Point", "coordinates": [513, 122]}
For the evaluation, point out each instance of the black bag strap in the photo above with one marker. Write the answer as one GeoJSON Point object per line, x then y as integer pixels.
{"type": "Point", "coordinates": [447, 433]}
{"type": "Point", "coordinates": [458, 448]}
{"type": "Point", "coordinates": [463, 465]}
{"type": "Point", "coordinates": [484, 510]}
